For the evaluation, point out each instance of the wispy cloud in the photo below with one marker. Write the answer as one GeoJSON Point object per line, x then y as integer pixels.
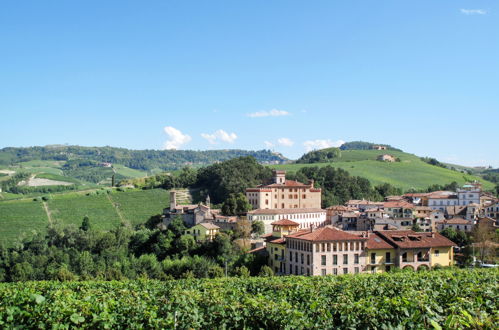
{"type": "Point", "coordinates": [176, 138]}
{"type": "Point", "coordinates": [270, 113]}
{"type": "Point", "coordinates": [285, 142]}
{"type": "Point", "coordinates": [321, 144]}
{"type": "Point", "coordinates": [268, 144]}
{"type": "Point", "coordinates": [220, 135]}
{"type": "Point", "coordinates": [473, 11]}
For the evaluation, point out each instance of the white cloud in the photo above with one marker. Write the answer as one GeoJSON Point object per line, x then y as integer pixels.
{"type": "Point", "coordinates": [285, 142]}
{"type": "Point", "coordinates": [321, 144]}
{"type": "Point", "coordinates": [220, 135]}
{"type": "Point", "coordinates": [176, 138]}
{"type": "Point", "coordinates": [473, 11]}
{"type": "Point", "coordinates": [271, 113]}
{"type": "Point", "coordinates": [268, 144]}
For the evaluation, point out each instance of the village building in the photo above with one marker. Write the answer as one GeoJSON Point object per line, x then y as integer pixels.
{"type": "Point", "coordinates": [439, 200]}
{"type": "Point", "coordinates": [306, 218]}
{"type": "Point", "coordinates": [469, 193]}
{"type": "Point", "coordinates": [419, 250]}
{"type": "Point", "coordinates": [204, 231]}
{"type": "Point", "coordinates": [362, 205]}
{"type": "Point", "coordinates": [325, 251]}
{"type": "Point", "coordinates": [456, 224]}
{"type": "Point", "coordinates": [492, 211]}
{"type": "Point", "coordinates": [399, 209]}
{"type": "Point", "coordinates": [191, 214]}
{"type": "Point", "coordinates": [284, 194]}
{"type": "Point", "coordinates": [375, 147]}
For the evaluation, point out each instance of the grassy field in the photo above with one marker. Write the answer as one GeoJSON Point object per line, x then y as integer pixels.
{"type": "Point", "coordinates": [129, 172]}
{"type": "Point", "coordinates": [138, 207]}
{"type": "Point", "coordinates": [19, 219]}
{"type": "Point", "coordinates": [57, 177]}
{"type": "Point", "coordinates": [411, 172]}
{"type": "Point", "coordinates": [71, 210]}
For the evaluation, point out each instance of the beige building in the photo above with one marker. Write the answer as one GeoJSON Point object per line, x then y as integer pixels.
{"type": "Point", "coordinates": [325, 251]}
{"type": "Point", "coordinates": [284, 194]}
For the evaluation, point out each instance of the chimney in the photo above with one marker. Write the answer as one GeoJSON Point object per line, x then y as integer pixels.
{"type": "Point", "coordinates": [311, 183]}
{"type": "Point", "coordinates": [173, 200]}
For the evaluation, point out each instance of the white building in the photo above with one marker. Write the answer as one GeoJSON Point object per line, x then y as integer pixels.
{"type": "Point", "coordinates": [469, 194]}
{"type": "Point", "coordinates": [307, 218]}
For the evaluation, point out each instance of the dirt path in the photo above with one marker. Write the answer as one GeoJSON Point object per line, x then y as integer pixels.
{"type": "Point", "coordinates": [122, 218]}
{"type": "Point", "coordinates": [49, 215]}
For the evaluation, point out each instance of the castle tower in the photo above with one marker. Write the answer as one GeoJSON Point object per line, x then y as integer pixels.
{"type": "Point", "coordinates": [280, 177]}
{"type": "Point", "coordinates": [208, 201]}
{"type": "Point", "coordinates": [173, 200]}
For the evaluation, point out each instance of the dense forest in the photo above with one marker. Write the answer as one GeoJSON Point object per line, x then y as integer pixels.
{"type": "Point", "coordinates": [320, 156]}
{"type": "Point", "coordinates": [136, 159]}
{"type": "Point", "coordinates": [70, 253]}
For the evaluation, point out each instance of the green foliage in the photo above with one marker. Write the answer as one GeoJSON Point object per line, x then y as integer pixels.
{"type": "Point", "coordinates": [85, 224]}
{"type": "Point", "coordinates": [231, 177]}
{"type": "Point", "coordinates": [320, 156]}
{"type": "Point", "coordinates": [450, 298]}
{"type": "Point", "coordinates": [236, 204]}
{"type": "Point", "coordinates": [266, 271]}
{"type": "Point", "coordinates": [433, 161]}
{"type": "Point", "coordinates": [257, 227]}
{"type": "Point", "coordinates": [338, 186]}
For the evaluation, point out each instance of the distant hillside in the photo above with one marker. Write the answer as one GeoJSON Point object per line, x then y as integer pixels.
{"type": "Point", "coordinates": [410, 172]}
{"type": "Point", "coordinates": [361, 145]}
{"type": "Point", "coordinates": [144, 160]}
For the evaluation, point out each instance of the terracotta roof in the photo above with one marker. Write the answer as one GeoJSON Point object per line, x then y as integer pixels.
{"type": "Point", "coordinates": [350, 215]}
{"type": "Point", "coordinates": [375, 241]}
{"type": "Point", "coordinates": [280, 240]}
{"type": "Point", "coordinates": [209, 225]}
{"type": "Point", "coordinates": [285, 211]}
{"type": "Point", "coordinates": [454, 210]}
{"type": "Point", "coordinates": [456, 221]}
{"type": "Point", "coordinates": [328, 234]}
{"type": "Point", "coordinates": [397, 204]}
{"type": "Point", "coordinates": [285, 222]}
{"type": "Point", "coordinates": [408, 239]}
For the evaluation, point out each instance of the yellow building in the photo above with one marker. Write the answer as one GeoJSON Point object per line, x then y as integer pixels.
{"type": "Point", "coordinates": [419, 250]}
{"type": "Point", "coordinates": [204, 231]}
{"type": "Point", "coordinates": [380, 255]}
{"type": "Point", "coordinates": [276, 243]}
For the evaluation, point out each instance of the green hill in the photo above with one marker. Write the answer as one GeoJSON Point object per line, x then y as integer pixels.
{"type": "Point", "coordinates": [19, 218]}
{"type": "Point", "coordinates": [410, 172]}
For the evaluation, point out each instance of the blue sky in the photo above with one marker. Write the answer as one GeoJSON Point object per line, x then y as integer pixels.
{"type": "Point", "coordinates": [289, 75]}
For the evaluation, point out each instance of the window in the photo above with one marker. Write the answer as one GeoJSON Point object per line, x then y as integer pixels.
{"type": "Point", "coordinates": [308, 259]}
{"type": "Point", "coordinates": [323, 272]}
{"type": "Point", "coordinates": [356, 258]}
{"type": "Point", "coordinates": [302, 259]}
{"type": "Point", "coordinates": [316, 247]}
{"type": "Point", "coordinates": [296, 257]}
{"type": "Point", "coordinates": [373, 269]}
{"type": "Point", "coordinates": [335, 271]}
{"type": "Point", "coordinates": [404, 257]}
{"type": "Point", "coordinates": [437, 253]}
{"type": "Point", "coordinates": [290, 256]}
{"type": "Point", "coordinates": [388, 268]}
{"type": "Point", "coordinates": [335, 259]}
{"type": "Point", "coordinates": [276, 256]}
{"type": "Point", "coordinates": [373, 257]}
{"type": "Point", "coordinates": [388, 257]}
{"type": "Point", "coordinates": [334, 247]}
{"type": "Point", "coordinates": [356, 269]}
{"type": "Point", "coordinates": [345, 259]}
{"type": "Point", "coordinates": [296, 269]}
{"type": "Point", "coordinates": [323, 260]}
{"type": "Point", "coordinates": [345, 270]}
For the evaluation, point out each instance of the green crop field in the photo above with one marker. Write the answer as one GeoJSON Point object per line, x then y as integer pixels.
{"type": "Point", "coordinates": [20, 218]}
{"type": "Point", "coordinates": [129, 172]}
{"type": "Point", "coordinates": [450, 299]}
{"type": "Point", "coordinates": [70, 209]}
{"type": "Point", "coordinates": [411, 172]}
{"type": "Point", "coordinates": [138, 206]}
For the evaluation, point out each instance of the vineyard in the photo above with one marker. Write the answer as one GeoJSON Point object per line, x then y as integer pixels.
{"type": "Point", "coordinates": [437, 299]}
